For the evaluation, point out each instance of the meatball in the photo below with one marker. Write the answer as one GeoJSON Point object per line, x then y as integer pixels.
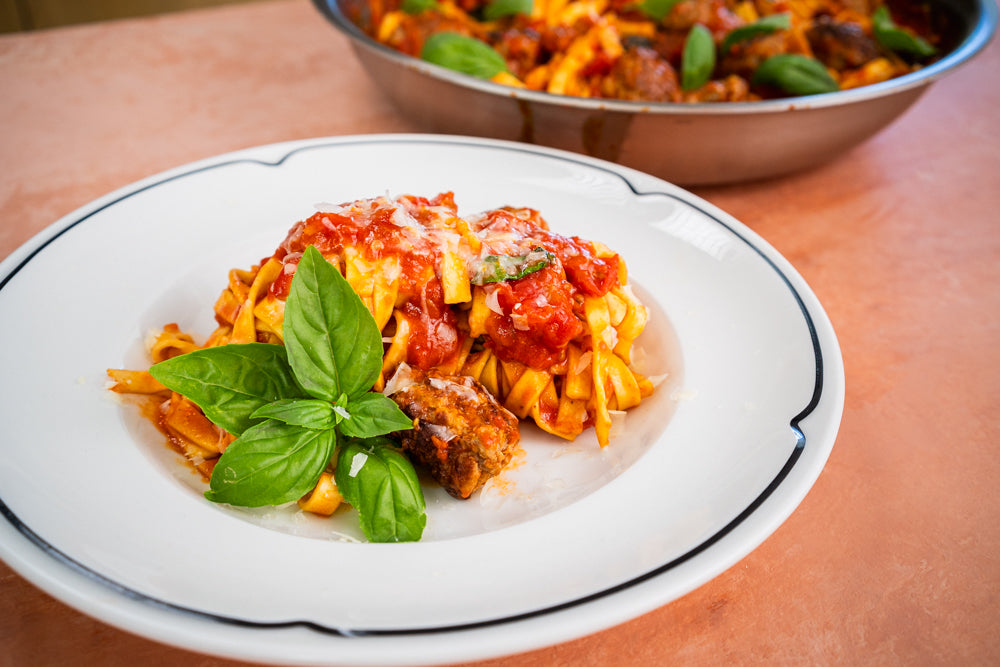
{"type": "Point", "coordinates": [461, 435]}
{"type": "Point", "coordinates": [521, 48]}
{"type": "Point", "coordinates": [732, 88]}
{"type": "Point", "coordinates": [841, 45]}
{"type": "Point", "coordinates": [641, 74]}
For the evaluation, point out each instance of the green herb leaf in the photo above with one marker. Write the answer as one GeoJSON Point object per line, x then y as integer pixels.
{"type": "Point", "coordinates": [795, 74]}
{"type": "Point", "coordinates": [272, 463]}
{"type": "Point", "coordinates": [463, 54]}
{"type": "Point", "coordinates": [763, 26]}
{"type": "Point", "coordinates": [698, 58]}
{"type": "Point", "coordinates": [373, 414]}
{"type": "Point", "coordinates": [333, 343]}
{"type": "Point", "coordinates": [417, 6]}
{"type": "Point", "coordinates": [230, 382]}
{"type": "Point", "coordinates": [379, 482]}
{"type": "Point", "coordinates": [497, 268]}
{"type": "Point", "coordinates": [656, 9]}
{"type": "Point", "coordinates": [898, 39]}
{"type": "Point", "coordinates": [500, 8]}
{"type": "Point", "coordinates": [306, 412]}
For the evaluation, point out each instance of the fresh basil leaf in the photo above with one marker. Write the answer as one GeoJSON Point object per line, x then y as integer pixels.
{"type": "Point", "coordinates": [763, 26]}
{"type": "Point", "coordinates": [463, 54]}
{"type": "Point", "coordinates": [417, 6]}
{"type": "Point", "coordinates": [272, 463]}
{"type": "Point", "coordinates": [501, 8]}
{"type": "Point", "coordinates": [305, 412]}
{"type": "Point", "coordinates": [333, 343]}
{"type": "Point", "coordinates": [373, 414]}
{"type": "Point", "coordinates": [497, 268]}
{"type": "Point", "coordinates": [230, 382]}
{"type": "Point", "coordinates": [656, 9]}
{"type": "Point", "coordinates": [898, 39]}
{"type": "Point", "coordinates": [795, 74]}
{"type": "Point", "coordinates": [380, 482]}
{"type": "Point", "coordinates": [698, 58]}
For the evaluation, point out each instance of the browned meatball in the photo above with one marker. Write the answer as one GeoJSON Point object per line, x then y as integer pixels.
{"type": "Point", "coordinates": [732, 88]}
{"type": "Point", "coordinates": [461, 435]}
{"type": "Point", "coordinates": [841, 45]}
{"type": "Point", "coordinates": [521, 48]}
{"type": "Point", "coordinates": [641, 74]}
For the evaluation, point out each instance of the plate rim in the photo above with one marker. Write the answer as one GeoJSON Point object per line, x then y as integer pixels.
{"type": "Point", "coordinates": [23, 255]}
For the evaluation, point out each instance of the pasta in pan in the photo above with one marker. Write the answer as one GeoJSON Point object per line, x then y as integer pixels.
{"type": "Point", "coordinates": [673, 51]}
{"type": "Point", "coordinates": [546, 323]}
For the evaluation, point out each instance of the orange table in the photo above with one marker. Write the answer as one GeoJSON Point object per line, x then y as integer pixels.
{"type": "Point", "coordinates": [893, 557]}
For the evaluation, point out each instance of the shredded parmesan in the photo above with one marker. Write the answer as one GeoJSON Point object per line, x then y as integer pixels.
{"type": "Point", "coordinates": [453, 387]}
{"type": "Point", "coordinates": [357, 462]}
{"type": "Point", "coordinates": [657, 380]}
{"type": "Point", "coordinates": [290, 263]}
{"type": "Point", "coordinates": [493, 302]}
{"type": "Point", "coordinates": [610, 337]}
{"type": "Point", "coordinates": [327, 207]}
{"type": "Point", "coordinates": [400, 380]}
{"type": "Point", "coordinates": [617, 422]}
{"type": "Point", "coordinates": [440, 431]}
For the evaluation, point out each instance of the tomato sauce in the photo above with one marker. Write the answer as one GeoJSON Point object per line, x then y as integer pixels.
{"type": "Point", "coordinates": [541, 320]}
{"type": "Point", "coordinates": [541, 312]}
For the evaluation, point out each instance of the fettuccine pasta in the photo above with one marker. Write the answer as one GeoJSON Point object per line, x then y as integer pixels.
{"type": "Point", "coordinates": [546, 323]}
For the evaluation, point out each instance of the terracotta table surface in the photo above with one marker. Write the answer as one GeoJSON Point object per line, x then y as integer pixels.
{"type": "Point", "coordinates": [893, 557]}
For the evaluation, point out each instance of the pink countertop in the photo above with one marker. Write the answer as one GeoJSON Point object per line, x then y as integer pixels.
{"type": "Point", "coordinates": [893, 557]}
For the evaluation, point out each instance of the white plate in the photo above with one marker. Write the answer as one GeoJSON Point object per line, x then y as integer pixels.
{"type": "Point", "coordinates": [101, 515]}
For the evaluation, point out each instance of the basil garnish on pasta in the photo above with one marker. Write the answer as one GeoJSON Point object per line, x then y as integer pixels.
{"type": "Point", "coordinates": [498, 9]}
{"type": "Point", "coordinates": [272, 463]}
{"type": "Point", "coordinates": [796, 74]}
{"type": "Point", "coordinates": [898, 39]}
{"type": "Point", "coordinates": [698, 58]}
{"type": "Point", "coordinates": [307, 412]}
{"type": "Point", "coordinates": [377, 479]}
{"type": "Point", "coordinates": [656, 9]}
{"type": "Point", "coordinates": [293, 406]}
{"type": "Point", "coordinates": [334, 346]}
{"type": "Point", "coordinates": [417, 6]}
{"type": "Point", "coordinates": [497, 268]}
{"type": "Point", "coordinates": [467, 55]}
{"type": "Point", "coordinates": [231, 382]}
{"type": "Point", "coordinates": [762, 26]}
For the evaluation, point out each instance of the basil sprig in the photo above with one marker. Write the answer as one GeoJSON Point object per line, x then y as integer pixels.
{"type": "Point", "coordinates": [467, 55]}
{"type": "Point", "coordinates": [417, 6]}
{"type": "Point", "coordinates": [698, 58]}
{"type": "Point", "coordinates": [763, 26]}
{"type": "Point", "coordinates": [895, 38]}
{"type": "Point", "coordinates": [656, 9]}
{"type": "Point", "coordinates": [498, 9]}
{"type": "Point", "coordinates": [795, 74]}
{"type": "Point", "coordinates": [497, 268]}
{"type": "Point", "coordinates": [293, 406]}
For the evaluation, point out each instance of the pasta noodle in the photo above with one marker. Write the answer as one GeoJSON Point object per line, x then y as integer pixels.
{"type": "Point", "coordinates": [545, 322]}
